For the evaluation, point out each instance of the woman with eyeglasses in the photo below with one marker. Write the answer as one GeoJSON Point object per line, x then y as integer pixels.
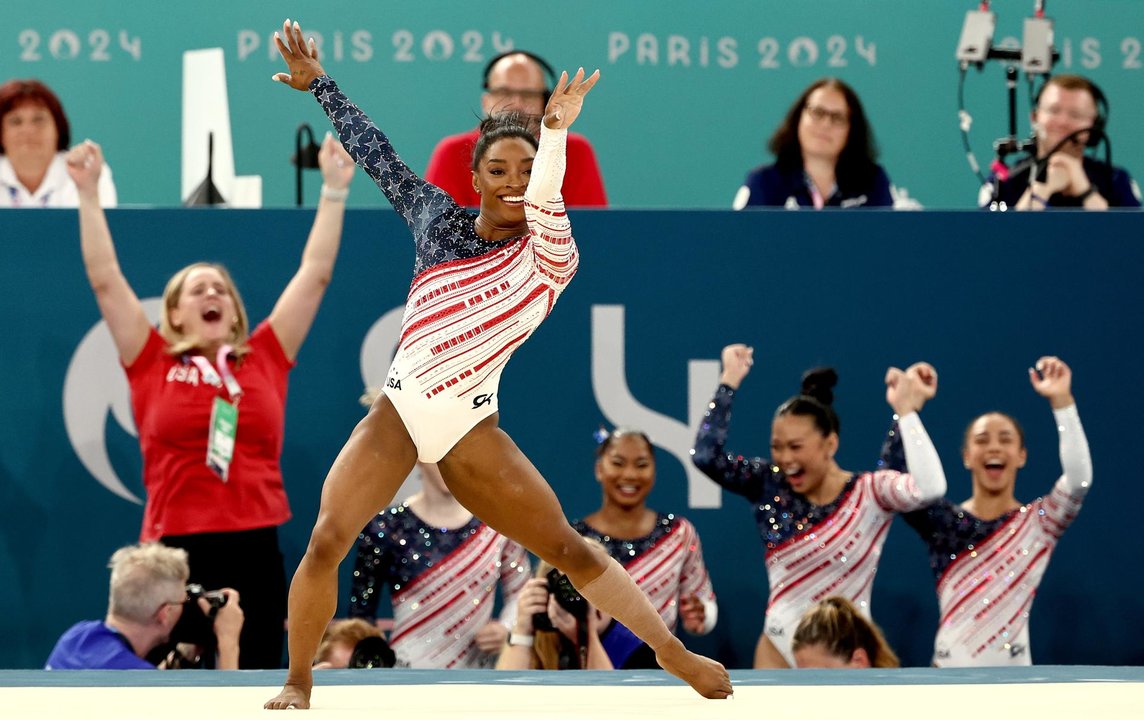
{"type": "Point", "coordinates": [824, 156]}
{"type": "Point", "coordinates": [661, 551]}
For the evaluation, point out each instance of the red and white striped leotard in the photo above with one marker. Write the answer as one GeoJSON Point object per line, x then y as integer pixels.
{"type": "Point", "coordinates": [667, 564]}
{"type": "Point", "coordinates": [815, 551]}
{"type": "Point", "coordinates": [472, 302]}
{"type": "Point", "coordinates": [988, 571]}
{"type": "Point", "coordinates": [442, 583]}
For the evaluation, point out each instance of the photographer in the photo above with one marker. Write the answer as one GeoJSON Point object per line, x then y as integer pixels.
{"type": "Point", "coordinates": [353, 643]}
{"type": "Point", "coordinates": [556, 629]}
{"type": "Point", "coordinates": [148, 595]}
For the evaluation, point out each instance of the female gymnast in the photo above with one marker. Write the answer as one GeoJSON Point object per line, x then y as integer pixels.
{"type": "Point", "coordinates": [660, 551]}
{"type": "Point", "coordinates": [481, 287]}
{"type": "Point", "coordinates": [442, 567]}
{"type": "Point", "coordinates": [989, 553]}
{"type": "Point", "coordinates": [823, 526]}
{"type": "Point", "coordinates": [834, 634]}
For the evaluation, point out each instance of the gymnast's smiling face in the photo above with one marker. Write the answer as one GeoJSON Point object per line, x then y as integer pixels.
{"type": "Point", "coordinates": [501, 178]}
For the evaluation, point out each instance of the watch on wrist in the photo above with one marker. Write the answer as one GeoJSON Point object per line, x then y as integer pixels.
{"type": "Point", "coordinates": [521, 640]}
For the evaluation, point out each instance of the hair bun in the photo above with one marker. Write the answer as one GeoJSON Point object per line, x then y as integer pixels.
{"type": "Point", "coordinates": [509, 121]}
{"type": "Point", "coordinates": [819, 383]}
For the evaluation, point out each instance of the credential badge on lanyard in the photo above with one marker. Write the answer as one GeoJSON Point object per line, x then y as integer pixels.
{"type": "Point", "coordinates": [224, 414]}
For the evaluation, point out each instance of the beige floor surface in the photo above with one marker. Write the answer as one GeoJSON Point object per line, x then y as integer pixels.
{"type": "Point", "coordinates": [1066, 701]}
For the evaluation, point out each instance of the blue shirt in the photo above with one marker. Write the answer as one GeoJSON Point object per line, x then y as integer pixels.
{"type": "Point", "coordinates": [1113, 183]}
{"type": "Point", "coordinates": [92, 645]}
{"type": "Point", "coordinates": [770, 186]}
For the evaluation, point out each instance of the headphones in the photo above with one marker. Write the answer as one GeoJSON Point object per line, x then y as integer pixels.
{"type": "Point", "coordinates": [1096, 134]}
{"type": "Point", "coordinates": [548, 71]}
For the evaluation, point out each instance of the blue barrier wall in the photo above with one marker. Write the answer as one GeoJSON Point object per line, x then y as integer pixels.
{"type": "Point", "coordinates": [718, 74]}
{"type": "Point", "coordinates": [657, 296]}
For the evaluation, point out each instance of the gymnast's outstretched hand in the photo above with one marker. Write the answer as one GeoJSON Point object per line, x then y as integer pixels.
{"type": "Point", "coordinates": [301, 57]}
{"type": "Point", "coordinates": [564, 106]}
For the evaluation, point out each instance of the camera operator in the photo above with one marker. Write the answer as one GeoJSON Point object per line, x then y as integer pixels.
{"type": "Point", "coordinates": [148, 596]}
{"type": "Point", "coordinates": [557, 629]}
{"type": "Point", "coordinates": [1070, 115]}
{"type": "Point", "coordinates": [353, 643]}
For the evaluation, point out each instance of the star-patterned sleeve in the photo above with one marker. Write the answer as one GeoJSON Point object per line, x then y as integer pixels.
{"type": "Point", "coordinates": [740, 475]}
{"type": "Point", "coordinates": [893, 455]}
{"type": "Point", "coordinates": [371, 150]}
{"type": "Point", "coordinates": [370, 574]}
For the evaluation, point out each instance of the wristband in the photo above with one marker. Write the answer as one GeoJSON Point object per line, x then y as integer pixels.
{"type": "Point", "coordinates": [330, 193]}
{"type": "Point", "coordinates": [521, 640]}
{"type": "Point", "coordinates": [1038, 198]}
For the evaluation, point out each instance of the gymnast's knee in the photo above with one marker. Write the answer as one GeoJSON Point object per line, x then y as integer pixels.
{"type": "Point", "coordinates": [580, 560]}
{"type": "Point", "coordinates": [329, 541]}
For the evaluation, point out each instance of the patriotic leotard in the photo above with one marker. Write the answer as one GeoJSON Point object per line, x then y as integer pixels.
{"type": "Point", "coordinates": [472, 302]}
{"type": "Point", "coordinates": [667, 564]}
{"type": "Point", "coordinates": [815, 551]}
{"type": "Point", "coordinates": [988, 571]}
{"type": "Point", "coordinates": [442, 583]}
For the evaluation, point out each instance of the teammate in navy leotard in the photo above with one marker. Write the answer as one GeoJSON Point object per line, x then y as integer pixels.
{"type": "Point", "coordinates": [824, 527]}
{"type": "Point", "coordinates": [989, 552]}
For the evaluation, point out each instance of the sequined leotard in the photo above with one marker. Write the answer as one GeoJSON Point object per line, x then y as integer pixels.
{"type": "Point", "coordinates": [442, 583]}
{"type": "Point", "coordinates": [667, 564]}
{"type": "Point", "coordinates": [472, 301]}
{"type": "Point", "coordinates": [988, 571]}
{"type": "Point", "coordinates": [815, 551]}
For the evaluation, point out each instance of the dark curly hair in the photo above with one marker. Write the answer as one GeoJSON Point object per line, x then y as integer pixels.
{"type": "Point", "coordinates": [504, 125]}
{"type": "Point", "coordinates": [856, 165]}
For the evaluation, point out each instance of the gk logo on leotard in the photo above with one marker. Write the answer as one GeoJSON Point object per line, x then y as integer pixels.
{"type": "Point", "coordinates": [393, 383]}
{"type": "Point", "coordinates": [482, 399]}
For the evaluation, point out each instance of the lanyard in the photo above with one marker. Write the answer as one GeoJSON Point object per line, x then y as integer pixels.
{"type": "Point", "coordinates": [14, 193]}
{"type": "Point", "coordinates": [212, 377]}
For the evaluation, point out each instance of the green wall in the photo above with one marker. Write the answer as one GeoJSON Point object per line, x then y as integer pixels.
{"type": "Point", "coordinates": [690, 90]}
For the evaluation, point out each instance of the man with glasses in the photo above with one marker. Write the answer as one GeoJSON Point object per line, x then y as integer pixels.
{"type": "Point", "coordinates": [1070, 116]}
{"type": "Point", "coordinates": [147, 598]}
{"type": "Point", "coordinates": [516, 81]}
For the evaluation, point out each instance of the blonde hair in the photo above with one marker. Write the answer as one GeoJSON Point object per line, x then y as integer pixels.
{"type": "Point", "coordinates": [177, 342]}
{"type": "Point", "coordinates": [145, 577]}
{"type": "Point", "coordinates": [344, 632]}
{"type": "Point", "coordinates": [836, 625]}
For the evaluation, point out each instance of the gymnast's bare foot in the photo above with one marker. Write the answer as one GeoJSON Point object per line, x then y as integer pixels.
{"type": "Point", "coordinates": [705, 676]}
{"type": "Point", "coordinates": [292, 697]}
